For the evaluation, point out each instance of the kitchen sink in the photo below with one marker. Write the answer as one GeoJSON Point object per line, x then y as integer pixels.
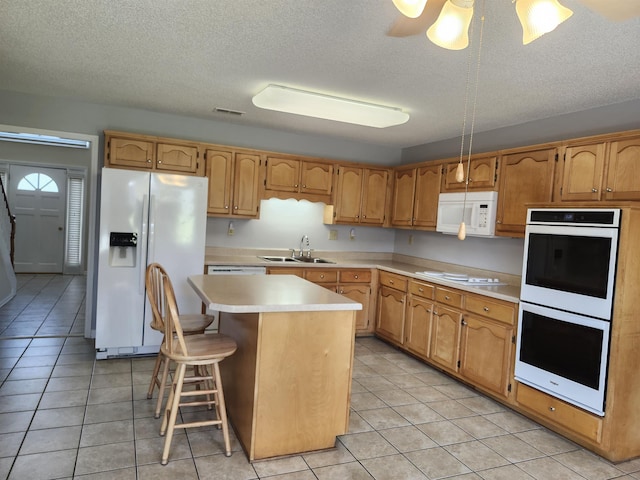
{"type": "Point", "coordinates": [270, 258]}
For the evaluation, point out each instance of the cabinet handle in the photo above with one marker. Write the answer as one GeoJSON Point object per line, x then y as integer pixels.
{"type": "Point", "coordinates": [341, 291]}
{"type": "Point", "coordinates": [355, 276]}
{"type": "Point", "coordinates": [486, 309]}
{"type": "Point", "coordinates": [463, 322]}
{"type": "Point", "coordinates": [296, 185]}
{"type": "Point", "coordinates": [552, 409]}
{"type": "Point", "coordinates": [159, 162]}
{"type": "Point", "coordinates": [609, 189]}
{"type": "Point", "coordinates": [364, 216]}
{"type": "Point", "coordinates": [236, 207]}
{"type": "Point", "coordinates": [421, 289]}
{"type": "Point", "coordinates": [357, 216]}
{"type": "Point", "coordinates": [391, 282]}
{"type": "Point", "coordinates": [594, 190]}
{"type": "Point", "coordinates": [498, 221]}
{"type": "Point", "coordinates": [148, 160]}
{"type": "Point", "coordinates": [322, 275]}
{"type": "Point", "coordinates": [304, 186]}
{"type": "Point", "coordinates": [447, 297]}
{"type": "Point", "coordinates": [226, 207]}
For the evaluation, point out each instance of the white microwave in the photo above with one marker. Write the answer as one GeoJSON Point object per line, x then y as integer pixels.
{"type": "Point", "coordinates": [478, 211]}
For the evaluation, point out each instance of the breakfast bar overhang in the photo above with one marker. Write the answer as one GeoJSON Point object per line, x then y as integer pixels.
{"type": "Point", "coordinates": [287, 387]}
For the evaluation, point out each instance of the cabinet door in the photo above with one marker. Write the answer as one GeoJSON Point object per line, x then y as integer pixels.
{"type": "Point", "coordinates": [623, 173]}
{"type": "Point", "coordinates": [348, 195]}
{"type": "Point", "coordinates": [316, 178]}
{"type": "Point", "coordinates": [404, 187]}
{"type": "Point", "coordinates": [482, 175]}
{"type": "Point", "coordinates": [360, 294]}
{"type": "Point", "coordinates": [485, 357]}
{"type": "Point", "coordinates": [282, 174]}
{"type": "Point", "coordinates": [445, 337]}
{"type": "Point", "coordinates": [219, 165]}
{"type": "Point", "coordinates": [245, 184]}
{"type": "Point", "coordinates": [122, 152]}
{"type": "Point", "coordinates": [417, 335]}
{"type": "Point", "coordinates": [582, 174]}
{"type": "Point", "coordinates": [390, 323]}
{"type": "Point", "coordinates": [425, 208]}
{"type": "Point", "coordinates": [374, 196]}
{"type": "Point", "coordinates": [525, 177]}
{"type": "Point", "coordinates": [177, 158]}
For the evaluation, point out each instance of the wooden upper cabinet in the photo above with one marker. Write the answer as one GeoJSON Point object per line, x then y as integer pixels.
{"type": "Point", "coordinates": [129, 153]}
{"type": "Point", "coordinates": [177, 158]}
{"type": "Point", "coordinates": [349, 195]}
{"type": "Point", "coordinates": [583, 172]}
{"type": "Point", "coordinates": [141, 152]}
{"type": "Point", "coordinates": [234, 180]}
{"type": "Point", "coordinates": [316, 178]}
{"type": "Point", "coordinates": [283, 174]}
{"type": "Point", "coordinates": [623, 173]}
{"type": "Point", "coordinates": [404, 188]}
{"type": "Point", "coordinates": [525, 177]}
{"type": "Point", "coordinates": [374, 196]}
{"type": "Point", "coordinates": [219, 168]}
{"type": "Point", "coordinates": [361, 195]}
{"type": "Point", "coordinates": [298, 177]}
{"type": "Point", "coordinates": [482, 175]}
{"type": "Point", "coordinates": [425, 207]}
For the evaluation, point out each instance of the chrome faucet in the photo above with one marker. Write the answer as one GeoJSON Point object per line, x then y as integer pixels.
{"type": "Point", "coordinates": [304, 240]}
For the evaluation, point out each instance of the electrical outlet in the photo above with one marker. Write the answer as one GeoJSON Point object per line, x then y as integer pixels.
{"type": "Point", "coordinates": [230, 230]}
{"type": "Point", "coordinates": [352, 234]}
{"type": "Point", "coordinates": [410, 241]}
{"type": "Point", "coordinates": [333, 234]}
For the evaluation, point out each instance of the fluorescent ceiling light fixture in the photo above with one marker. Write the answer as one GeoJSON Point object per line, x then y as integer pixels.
{"type": "Point", "coordinates": [301, 102]}
{"type": "Point", "coordinates": [36, 139]}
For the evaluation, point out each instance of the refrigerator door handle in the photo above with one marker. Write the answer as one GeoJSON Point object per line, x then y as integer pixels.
{"type": "Point", "coordinates": [142, 251]}
{"type": "Point", "coordinates": [151, 254]}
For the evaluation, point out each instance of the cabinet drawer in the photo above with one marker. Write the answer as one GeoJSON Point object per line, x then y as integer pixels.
{"type": "Point", "coordinates": [298, 272]}
{"type": "Point", "coordinates": [488, 307]}
{"type": "Point", "coordinates": [424, 290]}
{"type": "Point", "coordinates": [321, 275]}
{"type": "Point", "coordinates": [394, 281]}
{"type": "Point", "coordinates": [355, 276]}
{"type": "Point", "coordinates": [573, 418]}
{"type": "Point", "coordinates": [452, 298]}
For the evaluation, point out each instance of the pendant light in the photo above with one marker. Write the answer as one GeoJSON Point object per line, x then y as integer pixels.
{"type": "Point", "coordinates": [462, 230]}
{"type": "Point", "coordinates": [451, 29]}
{"type": "Point", "coordinates": [410, 8]}
{"type": "Point", "coordinates": [539, 17]}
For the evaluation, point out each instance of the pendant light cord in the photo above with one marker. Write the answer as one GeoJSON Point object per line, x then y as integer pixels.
{"type": "Point", "coordinates": [473, 112]}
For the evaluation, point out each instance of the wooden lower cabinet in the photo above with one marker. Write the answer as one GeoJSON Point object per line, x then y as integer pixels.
{"type": "Point", "coordinates": [445, 337]}
{"type": "Point", "coordinates": [352, 283]}
{"type": "Point", "coordinates": [391, 309]}
{"type": "Point", "coordinates": [486, 353]}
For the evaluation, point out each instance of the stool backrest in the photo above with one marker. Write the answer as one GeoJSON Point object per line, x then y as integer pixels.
{"type": "Point", "coordinates": [172, 320]}
{"type": "Point", "coordinates": [156, 294]}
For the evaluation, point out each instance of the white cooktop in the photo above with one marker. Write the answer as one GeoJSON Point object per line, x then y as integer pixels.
{"type": "Point", "coordinates": [461, 278]}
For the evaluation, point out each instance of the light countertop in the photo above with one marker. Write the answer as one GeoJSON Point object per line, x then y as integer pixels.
{"type": "Point", "coordinates": [266, 293]}
{"type": "Point", "coordinates": [509, 290]}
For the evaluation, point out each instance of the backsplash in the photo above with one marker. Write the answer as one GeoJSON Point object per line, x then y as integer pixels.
{"type": "Point", "coordinates": [282, 224]}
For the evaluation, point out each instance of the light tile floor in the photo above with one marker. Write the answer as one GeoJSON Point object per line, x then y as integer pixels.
{"type": "Point", "coordinates": [64, 415]}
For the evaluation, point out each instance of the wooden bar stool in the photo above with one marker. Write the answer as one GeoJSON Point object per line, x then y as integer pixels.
{"type": "Point", "coordinates": [191, 325]}
{"type": "Point", "coordinates": [204, 353]}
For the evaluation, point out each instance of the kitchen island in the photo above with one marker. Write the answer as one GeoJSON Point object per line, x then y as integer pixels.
{"type": "Point", "coordinates": [287, 387]}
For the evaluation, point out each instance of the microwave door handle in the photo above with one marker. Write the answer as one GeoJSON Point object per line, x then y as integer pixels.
{"type": "Point", "coordinates": [474, 215]}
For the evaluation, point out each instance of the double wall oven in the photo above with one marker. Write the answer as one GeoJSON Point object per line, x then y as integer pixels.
{"type": "Point", "coordinates": [566, 303]}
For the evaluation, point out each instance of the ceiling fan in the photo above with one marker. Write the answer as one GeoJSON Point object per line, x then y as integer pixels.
{"type": "Point", "coordinates": [421, 15]}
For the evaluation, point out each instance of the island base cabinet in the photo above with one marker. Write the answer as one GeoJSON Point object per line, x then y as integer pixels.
{"type": "Point", "coordinates": [287, 387]}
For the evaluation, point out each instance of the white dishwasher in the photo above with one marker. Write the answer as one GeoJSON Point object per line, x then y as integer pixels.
{"type": "Point", "coordinates": [229, 270]}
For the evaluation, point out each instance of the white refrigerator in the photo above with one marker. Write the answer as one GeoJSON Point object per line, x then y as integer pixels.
{"type": "Point", "coordinates": [144, 218]}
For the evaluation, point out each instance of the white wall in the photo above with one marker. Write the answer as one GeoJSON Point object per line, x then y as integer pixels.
{"type": "Point", "coordinates": [282, 223]}
{"type": "Point", "coordinates": [496, 254]}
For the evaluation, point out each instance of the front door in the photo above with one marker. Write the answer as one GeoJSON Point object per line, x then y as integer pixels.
{"type": "Point", "coordinates": [37, 198]}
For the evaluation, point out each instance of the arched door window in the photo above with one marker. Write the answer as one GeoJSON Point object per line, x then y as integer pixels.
{"type": "Point", "coordinates": [38, 181]}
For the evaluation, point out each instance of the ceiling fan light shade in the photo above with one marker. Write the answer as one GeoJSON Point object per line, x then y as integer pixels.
{"type": "Point", "coordinates": [317, 105]}
{"type": "Point", "coordinates": [410, 8]}
{"type": "Point", "coordinates": [451, 29]}
{"type": "Point", "coordinates": [539, 17]}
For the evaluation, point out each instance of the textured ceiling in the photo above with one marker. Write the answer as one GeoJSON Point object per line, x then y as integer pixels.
{"type": "Point", "coordinates": [190, 56]}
